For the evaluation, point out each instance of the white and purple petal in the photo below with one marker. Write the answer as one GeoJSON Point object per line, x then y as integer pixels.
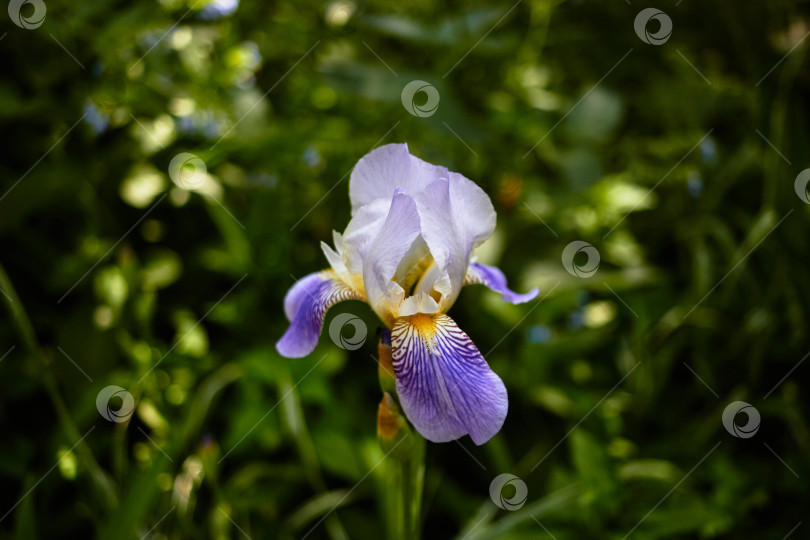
{"type": "Point", "coordinates": [493, 278]}
{"type": "Point", "coordinates": [438, 227]}
{"type": "Point", "coordinates": [472, 210]}
{"type": "Point", "coordinates": [386, 168]}
{"type": "Point", "coordinates": [306, 305]}
{"type": "Point", "coordinates": [361, 231]}
{"type": "Point", "coordinates": [456, 216]}
{"type": "Point", "coordinates": [444, 385]}
{"type": "Point", "coordinates": [385, 252]}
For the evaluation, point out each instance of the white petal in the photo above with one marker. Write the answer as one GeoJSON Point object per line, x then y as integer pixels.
{"type": "Point", "coordinates": [385, 252]}
{"type": "Point", "coordinates": [335, 260]}
{"type": "Point", "coordinates": [419, 303]}
{"type": "Point", "coordinates": [364, 226]}
{"type": "Point", "coordinates": [472, 210]}
{"type": "Point", "coordinates": [456, 216]}
{"type": "Point", "coordinates": [337, 238]}
{"type": "Point", "coordinates": [439, 229]}
{"type": "Point", "coordinates": [386, 168]}
{"type": "Point", "coordinates": [413, 264]}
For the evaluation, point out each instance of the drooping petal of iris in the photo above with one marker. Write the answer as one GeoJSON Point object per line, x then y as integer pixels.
{"type": "Point", "coordinates": [407, 252]}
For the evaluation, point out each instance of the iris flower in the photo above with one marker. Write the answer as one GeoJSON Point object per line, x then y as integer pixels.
{"type": "Point", "coordinates": [407, 251]}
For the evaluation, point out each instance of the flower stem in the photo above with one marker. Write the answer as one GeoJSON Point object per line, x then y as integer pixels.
{"type": "Point", "coordinates": [411, 486]}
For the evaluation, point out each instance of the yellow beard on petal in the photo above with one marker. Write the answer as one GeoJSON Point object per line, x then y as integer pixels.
{"type": "Point", "coordinates": [425, 326]}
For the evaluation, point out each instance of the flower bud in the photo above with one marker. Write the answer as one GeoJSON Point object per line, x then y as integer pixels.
{"type": "Point", "coordinates": [388, 381]}
{"type": "Point", "coordinates": [393, 431]}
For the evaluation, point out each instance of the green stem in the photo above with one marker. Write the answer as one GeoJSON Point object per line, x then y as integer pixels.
{"type": "Point", "coordinates": [26, 333]}
{"type": "Point", "coordinates": [413, 476]}
{"type": "Point", "coordinates": [406, 483]}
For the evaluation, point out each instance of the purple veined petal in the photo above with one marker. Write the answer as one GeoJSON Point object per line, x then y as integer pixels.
{"type": "Point", "coordinates": [306, 305]}
{"type": "Point", "coordinates": [445, 386]}
{"type": "Point", "coordinates": [386, 168]}
{"type": "Point", "coordinates": [493, 278]}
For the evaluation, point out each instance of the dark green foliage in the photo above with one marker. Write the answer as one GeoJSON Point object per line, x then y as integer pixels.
{"type": "Point", "coordinates": [677, 162]}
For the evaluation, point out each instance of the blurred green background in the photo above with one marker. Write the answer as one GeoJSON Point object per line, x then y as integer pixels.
{"type": "Point", "coordinates": [675, 161]}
